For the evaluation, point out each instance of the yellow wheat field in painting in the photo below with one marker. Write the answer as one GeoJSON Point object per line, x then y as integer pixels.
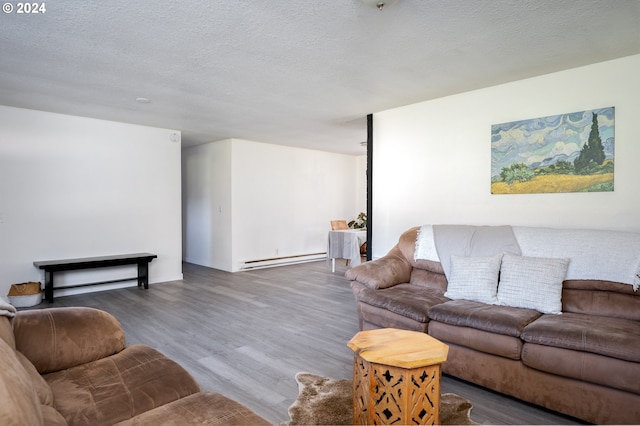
{"type": "Point", "coordinates": [551, 183]}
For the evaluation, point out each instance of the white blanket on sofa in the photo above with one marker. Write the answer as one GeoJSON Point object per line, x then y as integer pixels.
{"type": "Point", "coordinates": [472, 241]}
{"type": "Point", "coordinates": [594, 254]}
{"type": "Point", "coordinates": [7, 309]}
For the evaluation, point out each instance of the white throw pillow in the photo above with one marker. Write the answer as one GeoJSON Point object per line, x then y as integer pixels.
{"type": "Point", "coordinates": [474, 278]}
{"type": "Point", "coordinates": [532, 283]}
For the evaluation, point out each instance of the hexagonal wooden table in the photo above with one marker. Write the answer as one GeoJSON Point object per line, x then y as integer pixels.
{"type": "Point", "coordinates": [396, 377]}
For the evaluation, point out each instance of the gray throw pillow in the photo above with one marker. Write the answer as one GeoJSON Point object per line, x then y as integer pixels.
{"type": "Point", "coordinates": [532, 283]}
{"type": "Point", "coordinates": [474, 278]}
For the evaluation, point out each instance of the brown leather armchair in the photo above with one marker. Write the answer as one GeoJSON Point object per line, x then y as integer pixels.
{"type": "Point", "coordinates": [62, 366]}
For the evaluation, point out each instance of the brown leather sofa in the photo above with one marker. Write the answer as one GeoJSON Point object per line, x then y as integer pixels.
{"type": "Point", "coordinates": [584, 363]}
{"type": "Point", "coordinates": [70, 366]}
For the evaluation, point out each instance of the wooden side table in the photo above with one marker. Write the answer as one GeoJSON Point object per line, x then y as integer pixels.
{"type": "Point", "coordinates": [396, 377]}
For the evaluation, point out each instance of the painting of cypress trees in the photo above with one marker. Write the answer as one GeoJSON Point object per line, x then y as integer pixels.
{"type": "Point", "coordinates": [571, 152]}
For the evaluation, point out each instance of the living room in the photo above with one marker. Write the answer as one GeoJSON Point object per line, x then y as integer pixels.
{"type": "Point", "coordinates": [77, 185]}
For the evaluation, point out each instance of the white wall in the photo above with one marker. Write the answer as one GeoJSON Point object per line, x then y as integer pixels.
{"type": "Point", "coordinates": [206, 191]}
{"type": "Point", "coordinates": [76, 187]}
{"type": "Point", "coordinates": [361, 183]}
{"type": "Point", "coordinates": [267, 201]}
{"type": "Point", "coordinates": [432, 160]}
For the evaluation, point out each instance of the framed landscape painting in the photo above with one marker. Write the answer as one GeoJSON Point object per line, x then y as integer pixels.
{"type": "Point", "coordinates": [571, 152]}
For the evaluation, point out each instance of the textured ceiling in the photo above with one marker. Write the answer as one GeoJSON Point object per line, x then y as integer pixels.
{"type": "Point", "coordinates": [292, 72]}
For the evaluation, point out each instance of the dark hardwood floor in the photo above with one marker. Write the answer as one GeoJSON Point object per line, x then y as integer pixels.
{"type": "Point", "coordinates": [247, 334]}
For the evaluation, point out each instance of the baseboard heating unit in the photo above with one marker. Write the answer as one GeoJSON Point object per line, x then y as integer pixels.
{"type": "Point", "coordinates": [281, 261]}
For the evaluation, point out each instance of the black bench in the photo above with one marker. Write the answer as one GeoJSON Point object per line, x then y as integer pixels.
{"type": "Point", "coordinates": [51, 266]}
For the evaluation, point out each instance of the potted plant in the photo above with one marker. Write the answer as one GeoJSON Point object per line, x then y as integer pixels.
{"type": "Point", "coordinates": [359, 222]}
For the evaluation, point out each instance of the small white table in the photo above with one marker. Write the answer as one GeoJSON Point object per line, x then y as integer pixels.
{"type": "Point", "coordinates": [345, 244]}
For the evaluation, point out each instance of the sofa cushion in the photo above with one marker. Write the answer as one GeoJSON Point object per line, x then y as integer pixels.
{"type": "Point", "coordinates": [372, 317]}
{"type": "Point", "coordinates": [532, 283]}
{"type": "Point", "coordinates": [119, 387]}
{"type": "Point", "coordinates": [203, 408]}
{"type": "Point", "coordinates": [602, 298]}
{"type": "Point", "coordinates": [495, 319]}
{"type": "Point", "coordinates": [44, 392]}
{"type": "Point", "coordinates": [613, 337]}
{"type": "Point", "coordinates": [585, 366]}
{"type": "Point", "coordinates": [20, 404]}
{"type": "Point", "coordinates": [426, 278]}
{"type": "Point", "coordinates": [59, 338]}
{"type": "Point", "coordinates": [51, 416]}
{"type": "Point", "coordinates": [404, 299]}
{"type": "Point", "coordinates": [484, 341]}
{"type": "Point", "coordinates": [474, 278]}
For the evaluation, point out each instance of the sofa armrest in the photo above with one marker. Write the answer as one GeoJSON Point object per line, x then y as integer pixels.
{"type": "Point", "coordinates": [54, 339]}
{"type": "Point", "coordinates": [387, 271]}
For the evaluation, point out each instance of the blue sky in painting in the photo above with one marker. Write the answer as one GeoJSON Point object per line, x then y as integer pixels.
{"type": "Point", "coordinates": [546, 140]}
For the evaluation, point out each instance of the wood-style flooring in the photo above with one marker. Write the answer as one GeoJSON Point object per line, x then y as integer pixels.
{"type": "Point", "coordinates": [247, 334]}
